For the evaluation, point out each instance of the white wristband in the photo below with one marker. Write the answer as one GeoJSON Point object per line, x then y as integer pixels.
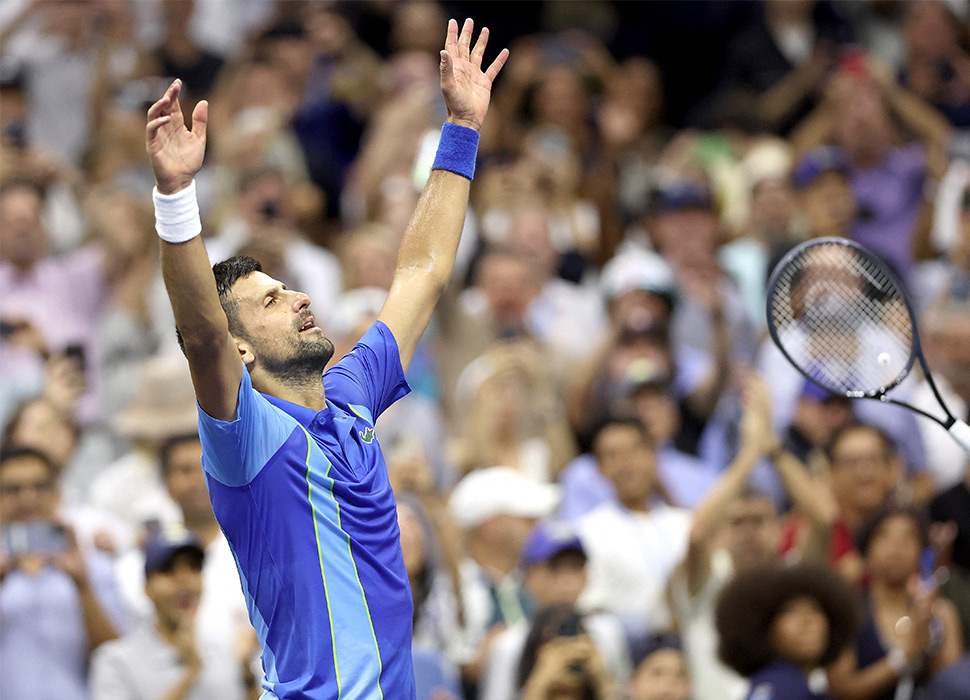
{"type": "Point", "coordinates": [177, 215]}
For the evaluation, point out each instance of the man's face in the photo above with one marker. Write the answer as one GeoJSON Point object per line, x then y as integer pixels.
{"type": "Point", "coordinates": [280, 335]}
{"type": "Point", "coordinates": [864, 473]}
{"type": "Point", "coordinates": [751, 531]}
{"type": "Point", "coordinates": [558, 581]}
{"type": "Point", "coordinates": [28, 490]}
{"type": "Point", "coordinates": [185, 481]}
{"type": "Point", "coordinates": [23, 240]}
{"type": "Point", "coordinates": [626, 459]}
{"type": "Point", "coordinates": [508, 286]}
{"type": "Point", "coordinates": [829, 203]}
{"type": "Point", "coordinates": [686, 237]}
{"type": "Point", "coordinates": [176, 591]}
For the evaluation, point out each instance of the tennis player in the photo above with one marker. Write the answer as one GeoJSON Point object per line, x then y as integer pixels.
{"type": "Point", "coordinates": [295, 473]}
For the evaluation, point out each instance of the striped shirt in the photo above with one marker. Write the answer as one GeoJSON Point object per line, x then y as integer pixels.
{"type": "Point", "coordinates": [304, 500]}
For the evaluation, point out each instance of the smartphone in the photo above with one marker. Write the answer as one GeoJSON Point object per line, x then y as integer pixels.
{"type": "Point", "coordinates": [927, 569]}
{"type": "Point", "coordinates": [33, 537]}
{"type": "Point", "coordinates": [75, 352]}
{"type": "Point", "coordinates": [7, 328]}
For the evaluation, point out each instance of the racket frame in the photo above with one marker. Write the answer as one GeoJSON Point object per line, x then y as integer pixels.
{"type": "Point", "coordinates": [915, 353]}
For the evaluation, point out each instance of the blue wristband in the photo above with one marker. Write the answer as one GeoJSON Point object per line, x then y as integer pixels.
{"type": "Point", "coordinates": [456, 150]}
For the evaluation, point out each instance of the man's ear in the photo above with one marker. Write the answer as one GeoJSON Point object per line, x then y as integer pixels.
{"type": "Point", "coordinates": [245, 349]}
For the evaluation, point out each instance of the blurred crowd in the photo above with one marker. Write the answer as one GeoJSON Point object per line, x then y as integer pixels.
{"type": "Point", "coordinates": [610, 483]}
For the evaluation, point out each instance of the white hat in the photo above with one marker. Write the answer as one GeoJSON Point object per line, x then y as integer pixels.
{"type": "Point", "coordinates": [485, 493]}
{"type": "Point", "coordinates": [638, 269]}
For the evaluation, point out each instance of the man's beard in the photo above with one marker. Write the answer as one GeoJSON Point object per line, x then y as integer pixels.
{"type": "Point", "coordinates": [305, 364]}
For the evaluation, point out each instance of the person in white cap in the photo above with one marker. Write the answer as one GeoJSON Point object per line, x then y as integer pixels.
{"type": "Point", "coordinates": [496, 508]}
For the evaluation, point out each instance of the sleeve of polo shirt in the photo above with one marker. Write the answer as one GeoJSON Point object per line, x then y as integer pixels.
{"type": "Point", "coordinates": [234, 452]}
{"type": "Point", "coordinates": [371, 374]}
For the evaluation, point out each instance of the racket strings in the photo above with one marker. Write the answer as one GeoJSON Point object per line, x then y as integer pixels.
{"type": "Point", "coordinates": [842, 320]}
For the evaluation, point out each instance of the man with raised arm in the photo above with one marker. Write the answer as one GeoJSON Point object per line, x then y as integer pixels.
{"type": "Point", "coordinates": [295, 475]}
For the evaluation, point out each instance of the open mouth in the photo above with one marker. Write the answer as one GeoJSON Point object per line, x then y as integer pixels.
{"type": "Point", "coordinates": [307, 325]}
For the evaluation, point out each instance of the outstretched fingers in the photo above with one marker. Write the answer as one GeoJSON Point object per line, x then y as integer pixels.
{"type": "Point", "coordinates": [168, 104]}
{"type": "Point", "coordinates": [465, 39]}
{"type": "Point", "coordinates": [155, 124]}
{"type": "Point", "coordinates": [496, 67]}
{"type": "Point", "coordinates": [451, 39]}
{"type": "Point", "coordinates": [200, 119]}
{"type": "Point", "coordinates": [479, 51]}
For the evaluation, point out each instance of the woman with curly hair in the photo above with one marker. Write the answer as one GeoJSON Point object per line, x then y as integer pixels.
{"type": "Point", "coordinates": [909, 633]}
{"type": "Point", "coordinates": [779, 625]}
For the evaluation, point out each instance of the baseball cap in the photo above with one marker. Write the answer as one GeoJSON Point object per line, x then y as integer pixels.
{"type": "Point", "coordinates": [816, 162]}
{"type": "Point", "coordinates": [681, 196]}
{"type": "Point", "coordinates": [641, 270]}
{"type": "Point", "coordinates": [547, 539]}
{"type": "Point", "coordinates": [161, 549]}
{"type": "Point", "coordinates": [486, 493]}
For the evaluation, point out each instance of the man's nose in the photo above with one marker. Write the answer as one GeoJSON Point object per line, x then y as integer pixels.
{"type": "Point", "coordinates": [300, 301]}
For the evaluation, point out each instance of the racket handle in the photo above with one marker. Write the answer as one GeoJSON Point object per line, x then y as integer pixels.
{"type": "Point", "coordinates": [961, 433]}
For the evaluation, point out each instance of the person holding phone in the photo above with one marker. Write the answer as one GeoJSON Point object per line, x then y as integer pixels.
{"type": "Point", "coordinates": [57, 604]}
{"type": "Point", "coordinates": [296, 476]}
{"type": "Point", "coordinates": [909, 633]}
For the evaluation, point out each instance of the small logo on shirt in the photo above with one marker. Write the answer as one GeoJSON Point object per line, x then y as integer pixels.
{"type": "Point", "coordinates": [367, 436]}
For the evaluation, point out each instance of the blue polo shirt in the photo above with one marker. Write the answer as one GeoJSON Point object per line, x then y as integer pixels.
{"type": "Point", "coordinates": [304, 500]}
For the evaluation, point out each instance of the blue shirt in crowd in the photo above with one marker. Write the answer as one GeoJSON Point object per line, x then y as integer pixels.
{"type": "Point", "coordinates": [305, 502]}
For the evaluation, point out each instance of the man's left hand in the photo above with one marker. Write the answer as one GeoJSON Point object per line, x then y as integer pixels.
{"type": "Point", "coordinates": [467, 89]}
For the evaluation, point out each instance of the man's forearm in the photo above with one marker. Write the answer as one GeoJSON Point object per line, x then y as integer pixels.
{"type": "Point", "coordinates": [430, 243]}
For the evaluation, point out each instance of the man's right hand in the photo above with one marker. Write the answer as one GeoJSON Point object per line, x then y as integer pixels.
{"type": "Point", "coordinates": [175, 152]}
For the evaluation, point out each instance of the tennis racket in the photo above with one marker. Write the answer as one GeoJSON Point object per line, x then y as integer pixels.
{"type": "Point", "coordinates": [842, 318]}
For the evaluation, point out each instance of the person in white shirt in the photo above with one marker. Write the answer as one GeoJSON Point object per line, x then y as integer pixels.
{"type": "Point", "coordinates": [222, 618]}
{"type": "Point", "coordinates": [166, 658]}
{"type": "Point", "coordinates": [735, 528]}
{"type": "Point", "coordinates": [635, 542]}
{"type": "Point", "coordinates": [554, 565]}
{"type": "Point", "coordinates": [496, 508]}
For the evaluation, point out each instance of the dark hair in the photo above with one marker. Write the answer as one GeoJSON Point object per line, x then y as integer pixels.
{"type": "Point", "coordinates": [749, 604]}
{"type": "Point", "coordinates": [867, 531]}
{"type": "Point", "coordinates": [18, 415]}
{"type": "Point", "coordinates": [227, 273]}
{"type": "Point", "coordinates": [548, 623]}
{"type": "Point", "coordinates": [29, 453]}
{"type": "Point", "coordinates": [23, 183]}
{"type": "Point", "coordinates": [855, 426]}
{"type": "Point", "coordinates": [167, 447]}
{"type": "Point", "coordinates": [615, 421]}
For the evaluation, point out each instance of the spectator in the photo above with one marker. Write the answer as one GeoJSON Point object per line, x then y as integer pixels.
{"type": "Point", "coordinates": [222, 616]}
{"type": "Point", "coordinates": [821, 179]}
{"type": "Point", "coordinates": [909, 634]}
{"type": "Point", "coordinates": [131, 488]}
{"type": "Point", "coordinates": [633, 543]}
{"type": "Point", "coordinates": [864, 474]}
{"type": "Point", "coordinates": [784, 58]}
{"type": "Point", "coordinates": [560, 661]}
{"type": "Point", "coordinates": [436, 646]}
{"type": "Point", "coordinates": [512, 414]}
{"type": "Point", "coordinates": [953, 506]}
{"type": "Point", "coordinates": [736, 528]}
{"type": "Point", "coordinates": [57, 602]}
{"type": "Point", "coordinates": [663, 673]}
{"type": "Point", "coordinates": [495, 508]}
{"type": "Point", "coordinates": [780, 625]}
{"type": "Point", "coordinates": [77, 287]}
{"type": "Point", "coordinates": [818, 416]}
{"type": "Point", "coordinates": [937, 66]}
{"type": "Point", "coordinates": [164, 658]}
{"type": "Point", "coordinates": [554, 565]}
